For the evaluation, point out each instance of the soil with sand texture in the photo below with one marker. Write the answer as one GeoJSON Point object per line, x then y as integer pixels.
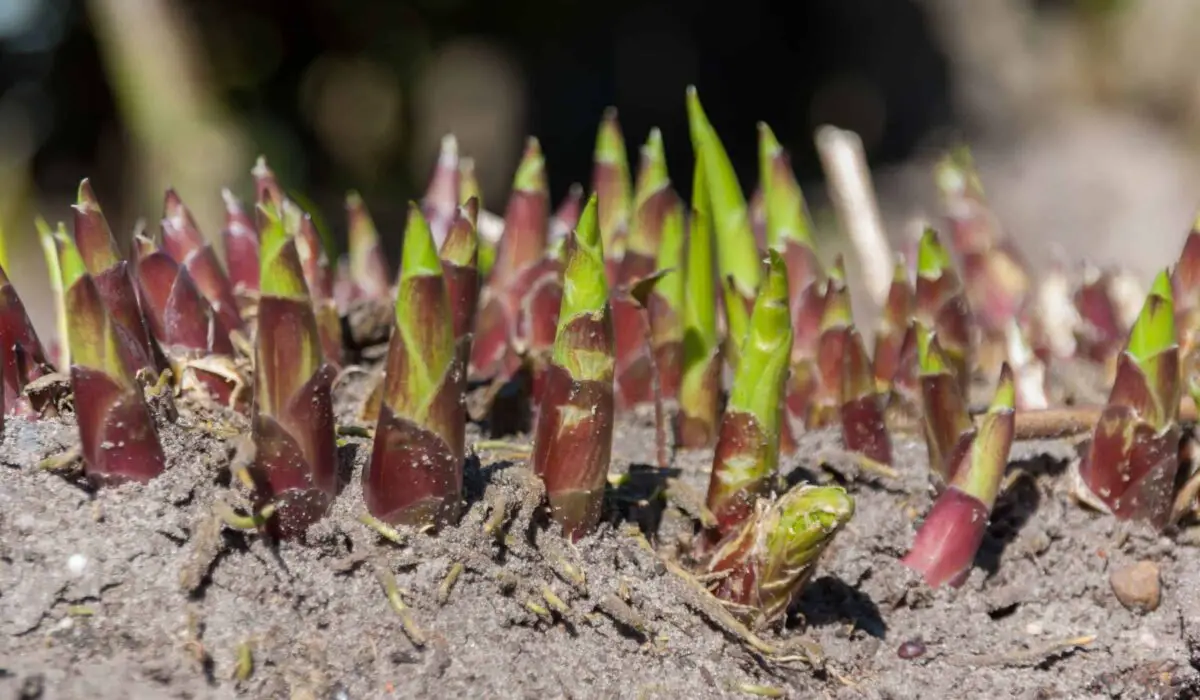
{"type": "Point", "coordinates": [141, 592]}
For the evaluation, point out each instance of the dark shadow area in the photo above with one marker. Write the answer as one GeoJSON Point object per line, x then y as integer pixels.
{"type": "Point", "coordinates": [346, 454]}
{"type": "Point", "coordinates": [638, 497]}
{"type": "Point", "coordinates": [832, 601]}
{"type": "Point", "coordinates": [288, 73]}
{"type": "Point", "coordinates": [1013, 509]}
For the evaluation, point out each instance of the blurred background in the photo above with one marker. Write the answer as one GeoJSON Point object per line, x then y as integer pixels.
{"type": "Point", "coordinates": [1084, 114]}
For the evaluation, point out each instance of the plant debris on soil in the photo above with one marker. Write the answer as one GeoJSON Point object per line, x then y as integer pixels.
{"type": "Point", "coordinates": [143, 591]}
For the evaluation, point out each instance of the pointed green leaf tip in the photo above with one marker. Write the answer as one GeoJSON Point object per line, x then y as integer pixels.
{"type": "Point", "coordinates": [787, 215]}
{"type": "Point", "coordinates": [652, 173]}
{"type": "Point", "coordinates": [768, 145]}
{"type": "Point", "coordinates": [1154, 330]}
{"type": "Point", "coordinates": [932, 257]}
{"type": "Point", "coordinates": [531, 173]}
{"type": "Point", "coordinates": [585, 287]}
{"type": "Point", "coordinates": [280, 273]}
{"type": "Point", "coordinates": [610, 143]}
{"type": "Point", "coordinates": [929, 354]}
{"type": "Point", "coordinates": [737, 249]}
{"type": "Point", "coordinates": [982, 475]}
{"type": "Point", "coordinates": [585, 292]}
{"type": "Point", "coordinates": [700, 308]}
{"type": "Point", "coordinates": [419, 257]}
{"type": "Point", "coordinates": [70, 262]}
{"type": "Point", "coordinates": [763, 364]}
{"type": "Point", "coordinates": [1006, 392]}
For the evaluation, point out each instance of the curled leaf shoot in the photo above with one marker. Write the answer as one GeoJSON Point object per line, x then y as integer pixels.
{"type": "Point", "coordinates": [1130, 466]}
{"type": "Point", "coordinates": [117, 433]}
{"type": "Point", "coordinates": [110, 275]}
{"type": "Point", "coordinates": [573, 432]}
{"type": "Point", "coordinates": [292, 423]}
{"type": "Point", "coordinates": [949, 538]}
{"type": "Point", "coordinates": [760, 567]}
{"type": "Point", "coordinates": [415, 473]}
{"type": "Point", "coordinates": [747, 453]}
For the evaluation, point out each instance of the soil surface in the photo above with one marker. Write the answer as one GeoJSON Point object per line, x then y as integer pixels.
{"type": "Point", "coordinates": [142, 592]}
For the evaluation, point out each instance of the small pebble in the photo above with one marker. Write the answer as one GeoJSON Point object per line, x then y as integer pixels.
{"type": "Point", "coordinates": [76, 563]}
{"type": "Point", "coordinates": [1033, 629]}
{"type": "Point", "coordinates": [1137, 586]}
{"type": "Point", "coordinates": [911, 649]}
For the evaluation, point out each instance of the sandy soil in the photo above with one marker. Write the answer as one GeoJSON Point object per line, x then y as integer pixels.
{"type": "Point", "coordinates": [139, 592]}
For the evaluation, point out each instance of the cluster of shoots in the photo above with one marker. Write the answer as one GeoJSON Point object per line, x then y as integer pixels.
{"type": "Point", "coordinates": [624, 296]}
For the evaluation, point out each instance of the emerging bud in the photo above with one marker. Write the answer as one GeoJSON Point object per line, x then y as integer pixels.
{"type": "Point", "coordinates": [22, 358]}
{"type": "Point", "coordinates": [945, 419]}
{"type": "Point", "coordinates": [460, 264]}
{"type": "Point", "coordinates": [941, 306]}
{"type": "Point", "coordinates": [836, 322]}
{"type": "Point", "coordinates": [1100, 331]}
{"type": "Point", "coordinates": [441, 202]}
{"type": "Point", "coordinates": [700, 387]}
{"type": "Point", "coordinates": [183, 241]}
{"type": "Point", "coordinates": [1130, 466]}
{"type": "Point", "coordinates": [526, 219]}
{"type": "Point", "coordinates": [415, 473]}
{"type": "Point", "coordinates": [863, 428]}
{"type": "Point", "coordinates": [763, 565]}
{"type": "Point", "coordinates": [610, 182]}
{"type": "Point", "coordinates": [946, 544]}
{"type": "Point", "coordinates": [747, 453]}
{"type": "Point", "coordinates": [573, 438]}
{"type": "Point", "coordinates": [266, 185]}
{"type": "Point", "coordinates": [241, 246]}
{"type": "Point", "coordinates": [655, 203]}
{"type": "Point", "coordinates": [997, 281]}
{"type": "Point", "coordinates": [522, 272]}
{"type": "Point", "coordinates": [117, 432]}
{"type": "Point", "coordinates": [318, 276]}
{"type": "Point", "coordinates": [468, 187]}
{"type": "Point", "coordinates": [368, 272]}
{"type": "Point", "coordinates": [194, 338]}
{"type": "Point", "coordinates": [893, 325]}
{"type": "Point", "coordinates": [112, 280]}
{"type": "Point", "coordinates": [296, 457]}
{"type": "Point", "coordinates": [1185, 284]}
